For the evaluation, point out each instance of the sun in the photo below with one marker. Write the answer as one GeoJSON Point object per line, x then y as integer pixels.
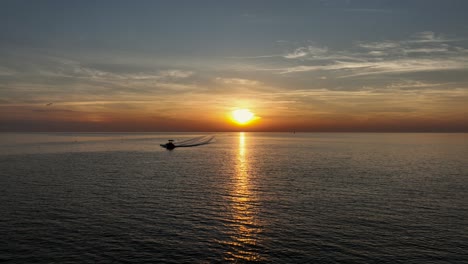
{"type": "Point", "coordinates": [242, 116]}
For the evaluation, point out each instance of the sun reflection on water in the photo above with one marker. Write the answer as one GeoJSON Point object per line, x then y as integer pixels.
{"type": "Point", "coordinates": [244, 227]}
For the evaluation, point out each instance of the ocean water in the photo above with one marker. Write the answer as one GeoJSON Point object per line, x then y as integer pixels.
{"type": "Point", "coordinates": [266, 197]}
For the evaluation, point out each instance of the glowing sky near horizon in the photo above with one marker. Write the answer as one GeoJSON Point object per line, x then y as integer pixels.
{"type": "Point", "coordinates": [337, 65]}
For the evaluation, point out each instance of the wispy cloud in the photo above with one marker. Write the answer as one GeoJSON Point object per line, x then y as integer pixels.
{"type": "Point", "coordinates": [306, 51]}
{"type": "Point", "coordinates": [297, 53]}
{"type": "Point", "coordinates": [417, 85]}
{"type": "Point", "coordinates": [405, 66]}
{"type": "Point", "coordinates": [428, 37]}
{"type": "Point", "coordinates": [385, 45]}
{"type": "Point", "coordinates": [237, 81]}
{"type": "Point", "coordinates": [43, 79]}
{"type": "Point", "coordinates": [427, 50]}
{"type": "Point", "coordinates": [422, 42]}
{"type": "Point", "coordinates": [76, 70]}
{"type": "Point", "coordinates": [257, 57]}
{"type": "Point", "coordinates": [422, 52]}
{"type": "Point", "coordinates": [52, 110]}
{"type": "Point", "coordinates": [175, 74]}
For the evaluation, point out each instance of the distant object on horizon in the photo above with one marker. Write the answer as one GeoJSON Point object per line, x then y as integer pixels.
{"type": "Point", "coordinates": [198, 141]}
{"type": "Point", "coordinates": [49, 104]}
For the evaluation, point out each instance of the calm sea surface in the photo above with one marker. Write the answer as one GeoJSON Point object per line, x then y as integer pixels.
{"type": "Point", "coordinates": [268, 197]}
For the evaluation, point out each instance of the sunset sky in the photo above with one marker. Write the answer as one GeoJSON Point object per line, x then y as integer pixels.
{"type": "Point", "coordinates": [332, 65]}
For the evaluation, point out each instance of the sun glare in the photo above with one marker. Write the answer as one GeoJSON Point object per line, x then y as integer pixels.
{"type": "Point", "coordinates": [242, 116]}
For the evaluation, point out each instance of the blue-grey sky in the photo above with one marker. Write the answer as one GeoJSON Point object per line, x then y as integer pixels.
{"type": "Point", "coordinates": [330, 65]}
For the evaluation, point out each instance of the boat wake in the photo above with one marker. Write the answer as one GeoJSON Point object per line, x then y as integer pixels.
{"type": "Point", "coordinates": [193, 142]}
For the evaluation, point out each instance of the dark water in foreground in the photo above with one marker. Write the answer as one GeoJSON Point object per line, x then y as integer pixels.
{"type": "Point", "coordinates": [277, 198]}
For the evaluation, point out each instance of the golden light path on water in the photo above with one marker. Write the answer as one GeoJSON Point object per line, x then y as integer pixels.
{"type": "Point", "coordinates": [245, 228]}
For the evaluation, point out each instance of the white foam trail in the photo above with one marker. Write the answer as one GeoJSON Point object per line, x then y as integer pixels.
{"type": "Point", "coordinates": [194, 141]}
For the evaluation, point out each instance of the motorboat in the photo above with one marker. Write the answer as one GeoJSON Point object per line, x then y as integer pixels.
{"type": "Point", "coordinates": [192, 142]}
{"type": "Point", "coordinates": [169, 145]}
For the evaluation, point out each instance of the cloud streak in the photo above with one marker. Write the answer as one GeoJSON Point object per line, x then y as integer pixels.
{"type": "Point", "coordinates": [423, 52]}
{"type": "Point", "coordinates": [306, 52]}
